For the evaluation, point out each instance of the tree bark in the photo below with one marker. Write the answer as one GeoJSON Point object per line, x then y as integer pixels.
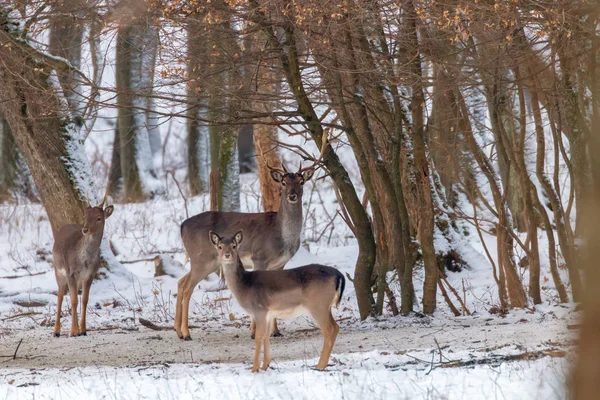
{"type": "Point", "coordinates": [198, 154]}
{"type": "Point", "coordinates": [8, 161]}
{"type": "Point", "coordinates": [66, 36]}
{"type": "Point", "coordinates": [266, 152]}
{"type": "Point", "coordinates": [423, 182]}
{"type": "Point", "coordinates": [136, 43]}
{"type": "Point", "coordinates": [43, 131]}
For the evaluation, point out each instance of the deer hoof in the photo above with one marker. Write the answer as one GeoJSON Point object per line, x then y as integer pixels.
{"type": "Point", "coordinates": [252, 336]}
{"type": "Point", "coordinates": [254, 369]}
{"type": "Point", "coordinates": [56, 334]}
{"type": "Point", "coordinates": [187, 338]}
{"type": "Point", "coordinates": [83, 334]}
{"type": "Point", "coordinates": [276, 334]}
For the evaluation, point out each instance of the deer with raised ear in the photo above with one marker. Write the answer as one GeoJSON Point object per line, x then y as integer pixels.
{"type": "Point", "coordinates": [272, 238]}
{"type": "Point", "coordinates": [76, 255]}
{"type": "Point", "coordinates": [312, 289]}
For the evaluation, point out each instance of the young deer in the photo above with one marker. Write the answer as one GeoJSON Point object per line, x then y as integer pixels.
{"type": "Point", "coordinates": [312, 289]}
{"type": "Point", "coordinates": [272, 239]}
{"type": "Point", "coordinates": [76, 255]}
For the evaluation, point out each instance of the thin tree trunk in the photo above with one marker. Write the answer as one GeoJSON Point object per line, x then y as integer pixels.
{"type": "Point", "coordinates": [66, 36]}
{"type": "Point", "coordinates": [360, 219]}
{"type": "Point", "coordinates": [135, 47]}
{"type": "Point", "coordinates": [115, 176]}
{"type": "Point", "coordinates": [423, 182]}
{"type": "Point", "coordinates": [198, 155]}
{"type": "Point", "coordinates": [551, 194]}
{"type": "Point", "coordinates": [8, 161]}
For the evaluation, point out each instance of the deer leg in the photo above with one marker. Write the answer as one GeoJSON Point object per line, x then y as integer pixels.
{"type": "Point", "coordinates": [84, 302]}
{"type": "Point", "coordinates": [60, 296]}
{"type": "Point", "coordinates": [179, 303]}
{"type": "Point", "coordinates": [188, 290]}
{"type": "Point", "coordinates": [262, 333]}
{"type": "Point", "coordinates": [253, 328]}
{"type": "Point", "coordinates": [74, 295]}
{"type": "Point", "coordinates": [267, 351]}
{"type": "Point", "coordinates": [330, 330]}
{"type": "Point", "coordinates": [275, 330]}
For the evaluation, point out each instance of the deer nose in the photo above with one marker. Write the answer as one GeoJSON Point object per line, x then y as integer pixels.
{"type": "Point", "coordinates": [228, 256]}
{"type": "Point", "coordinates": [293, 197]}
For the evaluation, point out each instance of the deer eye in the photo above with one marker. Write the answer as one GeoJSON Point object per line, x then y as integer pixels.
{"type": "Point", "coordinates": [301, 183]}
{"type": "Point", "coordinates": [99, 219]}
{"type": "Point", "coordinates": [283, 183]}
{"type": "Point", "coordinates": [234, 246]}
{"type": "Point", "coordinates": [220, 247]}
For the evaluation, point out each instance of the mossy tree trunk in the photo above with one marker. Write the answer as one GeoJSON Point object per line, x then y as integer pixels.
{"type": "Point", "coordinates": [43, 131]}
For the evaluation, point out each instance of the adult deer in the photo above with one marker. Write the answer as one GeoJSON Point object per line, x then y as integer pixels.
{"type": "Point", "coordinates": [272, 239]}
{"type": "Point", "coordinates": [312, 289]}
{"type": "Point", "coordinates": [76, 255]}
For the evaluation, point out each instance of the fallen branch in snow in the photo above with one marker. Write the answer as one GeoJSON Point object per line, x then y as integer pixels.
{"type": "Point", "coordinates": [137, 261]}
{"type": "Point", "coordinates": [154, 327]}
{"type": "Point", "coordinates": [528, 355]}
{"type": "Point", "coordinates": [20, 315]}
{"type": "Point", "coordinates": [22, 276]}
{"type": "Point", "coordinates": [14, 355]}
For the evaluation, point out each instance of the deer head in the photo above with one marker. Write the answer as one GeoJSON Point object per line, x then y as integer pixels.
{"type": "Point", "coordinates": [94, 217]}
{"type": "Point", "coordinates": [292, 182]}
{"type": "Point", "coordinates": [226, 247]}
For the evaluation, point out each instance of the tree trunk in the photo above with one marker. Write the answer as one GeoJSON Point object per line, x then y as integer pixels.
{"type": "Point", "coordinates": [423, 182]}
{"type": "Point", "coordinates": [8, 161]}
{"type": "Point", "coordinates": [66, 36]}
{"type": "Point", "coordinates": [136, 46]}
{"type": "Point", "coordinates": [364, 234]}
{"type": "Point", "coordinates": [115, 176]}
{"type": "Point", "coordinates": [43, 131]}
{"type": "Point", "coordinates": [266, 153]}
{"type": "Point", "coordinates": [198, 154]}
{"type": "Point", "coordinates": [229, 166]}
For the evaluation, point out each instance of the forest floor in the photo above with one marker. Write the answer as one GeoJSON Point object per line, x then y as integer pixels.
{"type": "Point", "coordinates": [396, 357]}
{"type": "Point", "coordinates": [141, 346]}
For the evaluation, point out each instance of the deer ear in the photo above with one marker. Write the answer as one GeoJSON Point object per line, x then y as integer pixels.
{"type": "Point", "coordinates": [277, 176]}
{"type": "Point", "coordinates": [108, 211]}
{"type": "Point", "coordinates": [214, 238]}
{"type": "Point", "coordinates": [239, 237]}
{"type": "Point", "coordinates": [306, 175]}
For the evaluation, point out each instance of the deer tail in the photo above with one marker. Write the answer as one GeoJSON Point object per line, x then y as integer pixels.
{"type": "Point", "coordinates": [340, 284]}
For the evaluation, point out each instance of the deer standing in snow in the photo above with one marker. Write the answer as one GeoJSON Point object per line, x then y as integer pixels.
{"type": "Point", "coordinates": [265, 295]}
{"type": "Point", "coordinates": [76, 255]}
{"type": "Point", "coordinates": [272, 239]}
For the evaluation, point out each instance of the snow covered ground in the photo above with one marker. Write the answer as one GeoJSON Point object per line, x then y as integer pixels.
{"type": "Point", "coordinates": [388, 357]}
{"type": "Point", "coordinates": [373, 375]}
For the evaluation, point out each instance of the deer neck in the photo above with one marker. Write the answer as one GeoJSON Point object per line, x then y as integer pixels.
{"type": "Point", "coordinates": [289, 221]}
{"type": "Point", "coordinates": [234, 273]}
{"type": "Point", "coordinates": [91, 243]}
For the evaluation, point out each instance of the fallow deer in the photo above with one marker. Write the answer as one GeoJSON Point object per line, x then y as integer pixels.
{"type": "Point", "coordinates": [76, 255]}
{"type": "Point", "coordinates": [312, 289]}
{"type": "Point", "coordinates": [272, 239]}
